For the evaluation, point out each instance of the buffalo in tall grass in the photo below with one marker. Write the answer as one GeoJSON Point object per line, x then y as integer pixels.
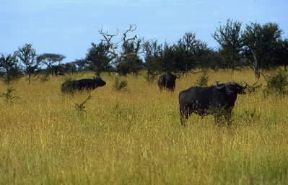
{"type": "Point", "coordinates": [217, 100]}
{"type": "Point", "coordinates": [71, 86]}
{"type": "Point", "coordinates": [167, 81]}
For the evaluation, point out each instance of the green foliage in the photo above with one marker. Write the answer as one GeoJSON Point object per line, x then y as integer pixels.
{"type": "Point", "coordinates": [257, 45]}
{"type": "Point", "coordinates": [51, 62]}
{"type": "Point", "coordinates": [124, 55]}
{"type": "Point", "coordinates": [277, 83]}
{"type": "Point", "coordinates": [153, 57]}
{"type": "Point", "coordinates": [131, 64]}
{"type": "Point", "coordinates": [27, 55]}
{"type": "Point", "coordinates": [187, 54]}
{"type": "Point", "coordinates": [229, 38]}
{"type": "Point", "coordinates": [98, 58]}
{"type": "Point", "coordinates": [280, 53]}
{"type": "Point", "coordinates": [50, 58]}
{"type": "Point", "coordinates": [253, 88]}
{"type": "Point", "coordinates": [260, 42]}
{"type": "Point", "coordinates": [203, 79]}
{"type": "Point", "coordinates": [120, 84]}
{"type": "Point", "coordinates": [9, 68]}
{"type": "Point", "coordinates": [9, 96]}
{"type": "Point", "coordinates": [70, 68]}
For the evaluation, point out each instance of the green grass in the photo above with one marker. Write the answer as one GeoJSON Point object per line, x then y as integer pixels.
{"type": "Point", "coordinates": [135, 137]}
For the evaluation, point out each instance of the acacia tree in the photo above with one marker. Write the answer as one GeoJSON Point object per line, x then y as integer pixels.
{"type": "Point", "coordinates": [153, 58]}
{"type": "Point", "coordinates": [27, 55]}
{"type": "Point", "coordinates": [98, 58]}
{"type": "Point", "coordinates": [125, 57]}
{"type": "Point", "coordinates": [260, 43]}
{"type": "Point", "coordinates": [187, 54]}
{"type": "Point", "coordinates": [281, 53]}
{"type": "Point", "coordinates": [229, 38]}
{"type": "Point", "coordinates": [51, 61]}
{"type": "Point", "coordinates": [9, 67]}
{"type": "Point", "coordinates": [190, 52]}
{"type": "Point", "coordinates": [80, 64]}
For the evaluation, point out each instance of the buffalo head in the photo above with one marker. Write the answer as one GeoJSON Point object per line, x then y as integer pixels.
{"type": "Point", "coordinates": [99, 82]}
{"type": "Point", "coordinates": [167, 81]}
{"type": "Point", "coordinates": [232, 88]}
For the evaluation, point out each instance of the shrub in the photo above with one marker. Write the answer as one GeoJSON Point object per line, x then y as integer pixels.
{"type": "Point", "coordinates": [9, 68]}
{"type": "Point", "coordinates": [120, 84]}
{"type": "Point", "coordinates": [277, 83]}
{"type": "Point", "coordinates": [203, 79]}
{"type": "Point", "coordinates": [254, 87]}
{"type": "Point", "coordinates": [9, 95]}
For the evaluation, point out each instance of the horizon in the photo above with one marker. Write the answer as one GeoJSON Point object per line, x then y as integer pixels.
{"type": "Point", "coordinates": [68, 27]}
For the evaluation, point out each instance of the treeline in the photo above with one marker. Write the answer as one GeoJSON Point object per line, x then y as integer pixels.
{"type": "Point", "coordinates": [259, 46]}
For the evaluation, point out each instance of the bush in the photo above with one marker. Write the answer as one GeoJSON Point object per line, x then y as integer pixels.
{"type": "Point", "coordinates": [9, 68]}
{"type": "Point", "coordinates": [277, 83]}
{"type": "Point", "coordinates": [8, 96]}
{"type": "Point", "coordinates": [254, 87]}
{"type": "Point", "coordinates": [203, 79]}
{"type": "Point", "coordinates": [120, 84]}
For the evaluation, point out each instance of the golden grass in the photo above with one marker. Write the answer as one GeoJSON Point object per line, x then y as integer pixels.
{"type": "Point", "coordinates": [135, 136]}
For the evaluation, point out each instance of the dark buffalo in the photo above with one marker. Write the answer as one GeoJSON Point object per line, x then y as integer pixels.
{"type": "Point", "coordinates": [167, 81]}
{"type": "Point", "coordinates": [83, 84]}
{"type": "Point", "coordinates": [217, 100]}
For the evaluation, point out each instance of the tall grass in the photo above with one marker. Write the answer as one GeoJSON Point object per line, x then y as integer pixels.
{"type": "Point", "coordinates": [135, 136]}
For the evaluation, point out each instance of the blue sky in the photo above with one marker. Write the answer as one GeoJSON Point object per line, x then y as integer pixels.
{"type": "Point", "coordinates": [69, 26]}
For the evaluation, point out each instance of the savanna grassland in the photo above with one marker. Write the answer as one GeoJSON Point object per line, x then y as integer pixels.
{"type": "Point", "coordinates": [135, 137]}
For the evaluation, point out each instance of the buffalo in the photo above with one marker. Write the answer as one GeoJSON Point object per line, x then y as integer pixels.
{"type": "Point", "coordinates": [217, 100]}
{"type": "Point", "coordinates": [167, 81]}
{"type": "Point", "coordinates": [71, 86]}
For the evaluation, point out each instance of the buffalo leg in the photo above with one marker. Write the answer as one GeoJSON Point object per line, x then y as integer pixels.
{"type": "Point", "coordinates": [184, 114]}
{"type": "Point", "coordinates": [227, 117]}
